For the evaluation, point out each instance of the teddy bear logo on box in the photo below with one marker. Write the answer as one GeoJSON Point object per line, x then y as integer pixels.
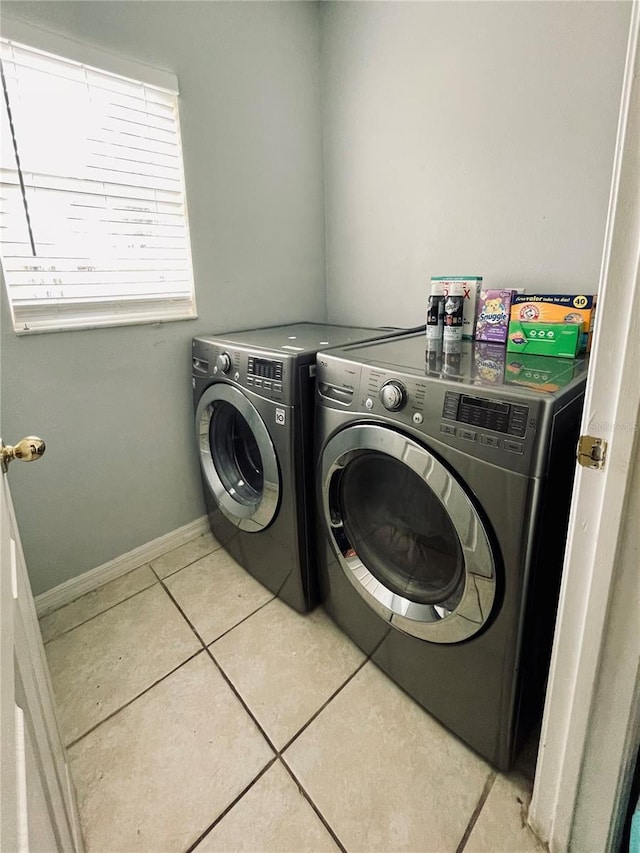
{"type": "Point", "coordinates": [492, 322]}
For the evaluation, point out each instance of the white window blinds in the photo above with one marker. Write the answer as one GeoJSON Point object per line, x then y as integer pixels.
{"type": "Point", "coordinates": [93, 216]}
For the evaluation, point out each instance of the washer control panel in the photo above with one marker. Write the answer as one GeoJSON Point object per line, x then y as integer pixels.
{"type": "Point", "coordinates": [383, 392]}
{"type": "Point", "coordinates": [487, 425]}
{"type": "Point", "coordinates": [486, 413]}
{"type": "Point", "coordinates": [264, 373]}
{"type": "Point", "coordinates": [268, 377]}
{"type": "Point", "coordinates": [268, 368]}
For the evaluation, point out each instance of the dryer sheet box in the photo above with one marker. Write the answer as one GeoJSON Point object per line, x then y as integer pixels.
{"type": "Point", "coordinates": [558, 308]}
{"type": "Point", "coordinates": [471, 285]}
{"type": "Point", "coordinates": [555, 339]}
{"type": "Point", "coordinates": [492, 320]}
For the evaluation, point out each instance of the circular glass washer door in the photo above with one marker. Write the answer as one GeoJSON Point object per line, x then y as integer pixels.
{"type": "Point", "coordinates": [406, 534]}
{"type": "Point", "coordinates": [237, 457]}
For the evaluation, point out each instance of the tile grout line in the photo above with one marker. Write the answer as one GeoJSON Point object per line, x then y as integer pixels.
{"type": "Point", "coordinates": [159, 680]}
{"type": "Point", "coordinates": [231, 805]}
{"type": "Point", "coordinates": [315, 808]}
{"type": "Point", "coordinates": [204, 648]}
{"type": "Point", "coordinates": [224, 675]}
{"type": "Point", "coordinates": [182, 613]}
{"type": "Point", "coordinates": [186, 565]}
{"type": "Point", "coordinates": [133, 699]}
{"type": "Point", "coordinates": [324, 705]}
{"type": "Point", "coordinates": [278, 752]}
{"type": "Point", "coordinates": [330, 699]}
{"type": "Point", "coordinates": [314, 716]}
{"type": "Point", "coordinates": [157, 579]}
{"type": "Point", "coordinates": [205, 645]}
{"type": "Point", "coordinates": [244, 619]}
{"type": "Point", "coordinates": [167, 674]}
{"type": "Point", "coordinates": [278, 756]}
{"type": "Point", "coordinates": [95, 615]}
{"type": "Point", "coordinates": [235, 692]}
{"type": "Point", "coordinates": [488, 785]}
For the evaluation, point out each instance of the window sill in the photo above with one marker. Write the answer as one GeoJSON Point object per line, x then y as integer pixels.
{"type": "Point", "coordinates": [86, 324]}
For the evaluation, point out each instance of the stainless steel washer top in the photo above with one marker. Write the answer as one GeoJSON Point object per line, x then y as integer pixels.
{"type": "Point", "coordinates": [302, 339]}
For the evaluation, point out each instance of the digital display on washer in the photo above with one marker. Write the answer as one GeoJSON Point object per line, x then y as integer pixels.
{"type": "Point", "coordinates": [265, 367]}
{"type": "Point", "coordinates": [485, 413]}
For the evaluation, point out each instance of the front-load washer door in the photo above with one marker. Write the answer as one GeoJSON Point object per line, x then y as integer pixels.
{"type": "Point", "coordinates": [237, 457]}
{"type": "Point", "coordinates": [406, 534]}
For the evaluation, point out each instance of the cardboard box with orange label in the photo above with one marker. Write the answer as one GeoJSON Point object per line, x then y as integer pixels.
{"type": "Point", "coordinates": [557, 308]}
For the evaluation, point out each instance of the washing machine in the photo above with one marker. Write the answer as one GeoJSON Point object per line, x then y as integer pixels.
{"type": "Point", "coordinates": [253, 395]}
{"type": "Point", "coordinates": [443, 484]}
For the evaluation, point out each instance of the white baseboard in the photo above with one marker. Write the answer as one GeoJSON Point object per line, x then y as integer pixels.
{"type": "Point", "coordinates": [68, 591]}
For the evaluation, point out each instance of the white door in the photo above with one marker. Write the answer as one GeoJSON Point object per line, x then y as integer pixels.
{"type": "Point", "coordinates": [591, 727]}
{"type": "Point", "coordinates": [37, 799]}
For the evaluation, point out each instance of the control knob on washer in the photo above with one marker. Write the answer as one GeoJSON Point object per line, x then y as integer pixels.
{"type": "Point", "coordinates": [223, 362]}
{"type": "Point", "coordinates": [393, 395]}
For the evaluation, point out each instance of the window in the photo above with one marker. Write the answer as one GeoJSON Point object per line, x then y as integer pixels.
{"type": "Point", "coordinates": [92, 211]}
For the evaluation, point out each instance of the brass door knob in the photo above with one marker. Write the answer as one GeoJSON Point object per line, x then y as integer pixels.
{"type": "Point", "coordinates": [30, 449]}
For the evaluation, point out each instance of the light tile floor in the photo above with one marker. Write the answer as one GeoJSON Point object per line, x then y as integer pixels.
{"type": "Point", "coordinates": [201, 713]}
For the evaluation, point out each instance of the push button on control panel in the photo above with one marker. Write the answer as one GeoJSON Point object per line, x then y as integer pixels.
{"type": "Point", "coordinates": [518, 421]}
{"type": "Point", "coordinates": [469, 434]}
{"type": "Point", "coordinates": [450, 409]}
{"type": "Point", "coordinates": [513, 446]}
{"type": "Point", "coordinates": [490, 440]}
{"type": "Point", "coordinates": [448, 429]}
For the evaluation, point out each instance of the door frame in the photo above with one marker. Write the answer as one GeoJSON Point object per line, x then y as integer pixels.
{"type": "Point", "coordinates": [591, 726]}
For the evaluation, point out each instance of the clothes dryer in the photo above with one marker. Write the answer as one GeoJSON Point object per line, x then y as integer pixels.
{"type": "Point", "coordinates": [444, 485]}
{"type": "Point", "coordinates": [253, 394]}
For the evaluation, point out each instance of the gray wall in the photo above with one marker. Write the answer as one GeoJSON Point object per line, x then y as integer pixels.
{"type": "Point", "coordinates": [466, 139]}
{"type": "Point", "coordinates": [114, 405]}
